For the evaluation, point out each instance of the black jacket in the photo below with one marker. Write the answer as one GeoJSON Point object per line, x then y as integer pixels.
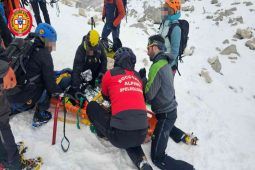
{"type": "Point", "coordinates": [40, 63]}
{"type": "Point", "coordinates": [3, 64]}
{"type": "Point", "coordinates": [97, 63]}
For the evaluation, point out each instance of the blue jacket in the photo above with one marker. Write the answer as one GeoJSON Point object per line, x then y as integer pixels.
{"type": "Point", "coordinates": [174, 45]}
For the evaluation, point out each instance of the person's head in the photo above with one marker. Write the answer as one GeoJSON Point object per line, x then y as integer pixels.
{"type": "Point", "coordinates": [47, 34]}
{"type": "Point", "coordinates": [91, 42]}
{"type": "Point", "coordinates": [125, 58]}
{"type": "Point", "coordinates": [156, 44]}
{"type": "Point", "coordinates": [170, 8]}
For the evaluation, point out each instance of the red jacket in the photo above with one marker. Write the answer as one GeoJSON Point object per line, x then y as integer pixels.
{"type": "Point", "coordinates": [125, 91]}
{"type": "Point", "coordinates": [109, 5]}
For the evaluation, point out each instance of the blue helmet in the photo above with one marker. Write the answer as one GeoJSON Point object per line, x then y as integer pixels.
{"type": "Point", "coordinates": [46, 31]}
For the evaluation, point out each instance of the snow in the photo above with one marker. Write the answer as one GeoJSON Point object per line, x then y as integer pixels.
{"type": "Point", "coordinates": [222, 118]}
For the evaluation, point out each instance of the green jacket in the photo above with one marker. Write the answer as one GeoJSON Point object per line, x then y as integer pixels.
{"type": "Point", "coordinates": [159, 90]}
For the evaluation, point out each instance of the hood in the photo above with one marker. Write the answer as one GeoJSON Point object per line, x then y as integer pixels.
{"type": "Point", "coordinates": [174, 17]}
{"type": "Point", "coordinates": [163, 56]}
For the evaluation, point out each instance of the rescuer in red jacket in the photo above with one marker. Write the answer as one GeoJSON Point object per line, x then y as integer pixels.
{"type": "Point", "coordinates": [126, 125]}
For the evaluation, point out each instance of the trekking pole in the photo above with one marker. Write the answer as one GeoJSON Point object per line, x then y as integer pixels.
{"type": "Point", "coordinates": [93, 24]}
{"type": "Point", "coordinates": [64, 131]}
{"type": "Point", "coordinates": [56, 119]}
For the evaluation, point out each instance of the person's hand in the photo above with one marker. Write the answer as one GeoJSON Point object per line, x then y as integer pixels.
{"type": "Point", "coordinates": [100, 76]}
{"type": "Point", "coordinates": [113, 27]}
{"type": "Point", "coordinates": [9, 79]}
{"type": "Point", "coordinates": [142, 73]}
{"type": "Point", "coordinates": [103, 18]}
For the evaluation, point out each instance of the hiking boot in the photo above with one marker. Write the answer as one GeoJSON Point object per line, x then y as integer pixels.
{"type": "Point", "coordinates": [41, 117]}
{"type": "Point", "coordinates": [144, 165]}
{"type": "Point", "coordinates": [190, 139]}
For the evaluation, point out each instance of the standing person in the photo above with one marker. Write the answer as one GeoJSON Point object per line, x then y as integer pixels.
{"type": "Point", "coordinates": [126, 124]}
{"type": "Point", "coordinates": [40, 77]}
{"type": "Point", "coordinates": [113, 12]}
{"type": "Point", "coordinates": [160, 93]}
{"type": "Point", "coordinates": [90, 62]}
{"type": "Point", "coordinates": [5, 33]}
{"type": "Point", "coordinates": [170, 12]}
{"type": "Point", "coordinates": [43, 6]}
{"type": "Point", "coordinates": [9, 154]}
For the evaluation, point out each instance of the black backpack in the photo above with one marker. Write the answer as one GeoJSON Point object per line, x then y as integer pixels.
{"type": "Point", "coordinates": [18, 54]}
{"type": "Point", "coordinates": [184, 25]}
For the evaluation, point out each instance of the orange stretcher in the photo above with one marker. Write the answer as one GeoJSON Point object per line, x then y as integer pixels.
{"type": "Point", "coordinates": [74, 109]}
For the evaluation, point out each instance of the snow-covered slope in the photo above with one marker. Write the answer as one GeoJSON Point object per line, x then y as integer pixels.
{"type": "Point", "coordinates": [221, 113]}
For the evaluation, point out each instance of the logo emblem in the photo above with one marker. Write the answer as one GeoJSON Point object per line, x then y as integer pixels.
{"type": "Point", "coordinates": [20, 22]}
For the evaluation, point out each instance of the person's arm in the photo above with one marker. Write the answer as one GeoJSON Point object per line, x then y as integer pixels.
{"type": "Point", "coordinates": [104, 14]}
{"type": "Point", "coordinates": [78, 66]}
{"type": "Point", "coordinates": [105, 84]}
{"type": "Point", "coordinates": [103, 58]}
{"type": "Point", "coordinates": [153, 85]}
{"type": "Point", "coordinates": [48, 75]}
{"type": "Point", "coordinates": [121, 13]}
{"type": "Point", "coordinates": [3, 69]}
{"type": "Point", "coordinates": [175, 43]}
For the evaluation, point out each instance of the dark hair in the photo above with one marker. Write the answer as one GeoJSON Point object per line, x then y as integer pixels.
{"type": "Point", "coordinates": [157, 40]}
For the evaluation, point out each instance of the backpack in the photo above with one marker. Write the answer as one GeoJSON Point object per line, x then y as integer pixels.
{"type": "Point", "coordinates": [18, 54]}
{"type": "Point", "coordinates": [124, 3]}
{"type": "Point", "coordinates": [125, 6]}
{"type": "Point", "coordinates": [184, 25]}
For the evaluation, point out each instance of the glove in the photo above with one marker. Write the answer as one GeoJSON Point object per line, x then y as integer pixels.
{"type": "Point", "coordinates": [25, 2]}
{"type": "Point", "coordinates": [142, 73]}
{"type": "Point", "coordinates": [9, 79]}
{"type": "Point", "coordinates": [103, 18]}
{"type": "Point", "coordinates": [100, 76]}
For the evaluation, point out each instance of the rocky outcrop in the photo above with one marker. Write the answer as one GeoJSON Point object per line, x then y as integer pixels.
{"type": "Point", "coordinates": [243, 33]}
{"type": "Point", "coordinates": [205, 74]}
{"type": "Point", "coordinates": [214, 1]}
{"type": "Point", "coordinates": [230, 50]}
{"type": "Point", "coordinates": [251, 44]}
{"type": "Point", "coordinates": [215, 64]}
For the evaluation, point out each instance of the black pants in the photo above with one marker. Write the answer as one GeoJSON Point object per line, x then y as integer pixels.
{"type": "Point", "coordinates": [5, 32]}
{"type": "Point", "coordinates": [164, 129]}
{"type": "Point", "coordinates": [35, 5]}
{"type": "Point", "coordinates": [8, 148]}
{"type": "Point", "coordinates": [129, 140]}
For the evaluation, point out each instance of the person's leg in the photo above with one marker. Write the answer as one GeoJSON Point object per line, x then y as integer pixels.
{"type": "Point", "coordinates": [115, 34]}
{"type": "Point", "coordinates": [7, 140]}
{"type": "Point", "coordinates": [41, 114]}
{"type": "Point", "coordinates": [177, 134]}
{"type": "Point", "coordinates": [138, 157]}
{"type": "Point", "coordinates": [44, 101]}
{"type": "Point", "coordinates": [5, 32]}
{"type": "Point", "coordinates": [44, 10]}
{"type": "Point", "coordinates": [19, 107]}
{"type": "Point", "coordinates": [159, 143]}
{"type": "Point", "coordinates": [107, 30]}
{"type": "Point", "coordinates": [100, 118]}
{"type": "Point", "coordinates": [35, 7]}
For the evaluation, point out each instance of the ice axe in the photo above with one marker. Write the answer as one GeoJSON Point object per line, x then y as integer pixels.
{"type": "Point", "coordinates": [56, 120]}
{"type": "Point", "coordinates": [93, 24]}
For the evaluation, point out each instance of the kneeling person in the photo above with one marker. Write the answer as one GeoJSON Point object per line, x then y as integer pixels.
{"type": "Point", "coordinates": [126, 125]}
{"type": "Point", "coordinates": [40, 73]}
